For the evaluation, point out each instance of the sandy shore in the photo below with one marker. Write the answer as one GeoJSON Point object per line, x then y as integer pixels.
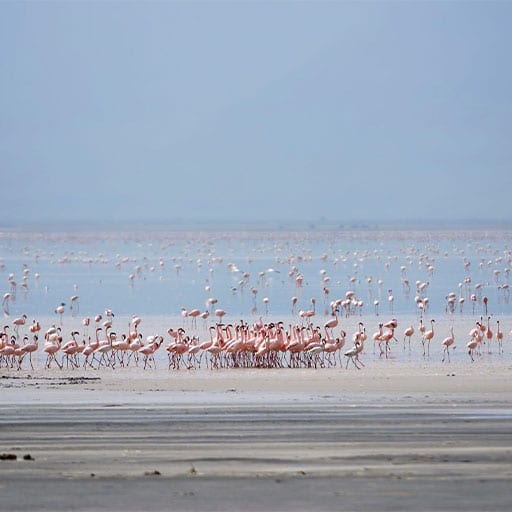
{"type": "Point", "coordinates": [258, 440]}
{"type": "Point", "coordinates": [407, 433]}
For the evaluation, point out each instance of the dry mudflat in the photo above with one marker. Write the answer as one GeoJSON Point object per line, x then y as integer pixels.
{"type": "Point", "coordinates": [417, 437]}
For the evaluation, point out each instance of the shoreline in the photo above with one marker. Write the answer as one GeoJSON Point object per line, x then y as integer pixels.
{"type": "Point", "coordinates": [264, 439]}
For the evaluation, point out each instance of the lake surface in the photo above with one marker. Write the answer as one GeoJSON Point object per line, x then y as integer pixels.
{"type": "Point", "coordinates": [158, 272]}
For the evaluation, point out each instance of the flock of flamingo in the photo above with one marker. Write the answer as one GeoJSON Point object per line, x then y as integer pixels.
{"type": "Point", "coordinates": [302, 342]}
{"type": "Point", "coordinates": [231, 345]}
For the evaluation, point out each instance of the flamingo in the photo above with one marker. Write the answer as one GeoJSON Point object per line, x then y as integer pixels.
{"type": "Point", "coordinates": [447, 343]}
{"type": "Point", "coordinates": [105, 346]}
{"type": "Point", "coordinates": [204, 315]}
{"type": "Point", "coordinates": [8, 350]}
{"type": "Point", "coordinates": [471, 346]}
{"type": "Point", "coordinates": [422, 327]}
{"type": "Point", "coordinates": [120, 347]}
{"type": "Point", "coordinates": [427, 337]}
{"type": "Point", "coordinates": [386, 337]}
{"type": "Point", "coordinates": [485, 300]}
{"type": "Point", "coordinates": [194, 348]}
{"type": "Point", "coordinates": [294, 303]}
{"type": "Point", "coordinates": [30, 348]}
{"type": "Point", "coordinates": [51, 347]}
{"type": "Point", "coordinates": [377, 337]}
{"type": "Point", "coordinates": [60, 310]}
{"type": "Point", "coordinates": [35, 327]}
{"type": "Point", "coordinates": [408, 334]}
{"type": "Point", "coordinates": [476, 335]}
{"type": "Point", "coordinates": [5, 302]}
{"type": "Point", "coordinates": [19, 322]}
{"type": "Point", "coordinates": [69, 349]}
{"type": "Point", "coordinates": [332, 323]}
{"type": "Point", "coordinates": [72, 301]}
{"type": "Point", "coordinates": [219, 313]}
{"type": "Point", "coordinates": [88, 351]}
{"type": "Point", "coordinates": [353, 354]}
{"type": "Point", "coordinates": [391, 299]}
{"type": "Point", "coordinates": [194, 313]}
{"type": "Point", "coordinates": [135, 345]}
{"type": "Point", "coordinates": [148, 350]}
{"type": "Point", "coordinates": [310, 312]}
{"type": "Point", "coordinates": [489, 335]}
{"type": "Point", "coordinates": [133, 335]}
{"type": "Point", "coordinates": [499, 337]}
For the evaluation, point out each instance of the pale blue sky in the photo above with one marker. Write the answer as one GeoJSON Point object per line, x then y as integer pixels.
{"type": "Point", "coordinates": [255, 110]}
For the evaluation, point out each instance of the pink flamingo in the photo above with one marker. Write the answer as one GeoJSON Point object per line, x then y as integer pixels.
{"type": "Point", "coordinates": [105, 347]}
{"type": "Point", "coordinates": [194, 313]}
{"type": "Point", "coordinates": [332, 323]}
{"type": "Point", "coordinates": [408, 334]}
{"type": "Point", "coordinates": [60, 310]}
{"type": "Point", "coordinates": [194, 348]}
{"type": "Point", "coordinates": [51, 347]}
{"type": "Point", "coordinates": [499, 337]}
{"type": "Point", "coordinates": [294, 303]}
{"type": "Point", "coordinates": [391, 299]}
{"type": "Point", "coordinates": [219, 313]}
{"type": "Point", "coordinates": [19, 322]}
{"type": "Point", "coordinates": [471, 346]}
{"type": "Point", "coordinates": [88, 350]}
{"type": "Point", "coordinates": [485, 300]}
{"type": "Point", "coordinates": [377, 337]}
{"type": "Point", "coordinates": [35, 327]}
{"type": "Point", "coordinates": [135, 345]}
{"type": "Point", "coordinates": [74, 300]}
{"type": "Point", "coordinates": [386, 337]}
{"type": "Point", "coordinates": [5, 302]}
{"type": "Point", "coordinates": [489, 335]}
{"type": "Point", "coordinates": [447, 343]}
{"type": "Point", "coordinates": [427, 337]}
{"type": "Point", "coordinates": [7, 350]}
{"type": "Point", "coordinates": [69, 349]}
{"type": "Point", "coordinates": [119, 348]}
{"type": "Point", "coordinates": [149, 350]}
{"type": "Point", "coordinates": [29, 348]}
{"type": "Point", "coordinates": [204, 315]}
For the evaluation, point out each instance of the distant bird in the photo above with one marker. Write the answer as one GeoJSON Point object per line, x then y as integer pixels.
{"type": "Point", "coordinates": [5, 303]}
{"type": "Point", "coordinates": [194, 313]}
{"type": "Point", "coordinates": [408, 334]}
{"type": "Point", "coordinates": [294, 303]}
{"type": "Point", "coordinates": [391, 299]}
{"type": "Point", "coordinates": [60, 310]}
{"type": "Point", "coordinates": [219, 313]}
{"type": "Point", "coordinates": [266, 300]}
{"type": "Point", "coordinates": [72, 301]}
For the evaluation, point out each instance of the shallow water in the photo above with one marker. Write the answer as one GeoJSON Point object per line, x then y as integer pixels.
{"type": "Point", "coordinates": [155, 272]}
{"type": "Point", "coordinates": [405, 432]}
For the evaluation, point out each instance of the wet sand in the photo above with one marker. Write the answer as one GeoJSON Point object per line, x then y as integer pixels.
{"type": "Point", "coordinates": [403, 437]}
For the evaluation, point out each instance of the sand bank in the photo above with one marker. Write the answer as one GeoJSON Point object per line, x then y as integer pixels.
{"type": "Point", "coordinates": [427, 438]}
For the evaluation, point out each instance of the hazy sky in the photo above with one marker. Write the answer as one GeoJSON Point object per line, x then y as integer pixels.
{"type": "Point", "coordinates": [255, 110]}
